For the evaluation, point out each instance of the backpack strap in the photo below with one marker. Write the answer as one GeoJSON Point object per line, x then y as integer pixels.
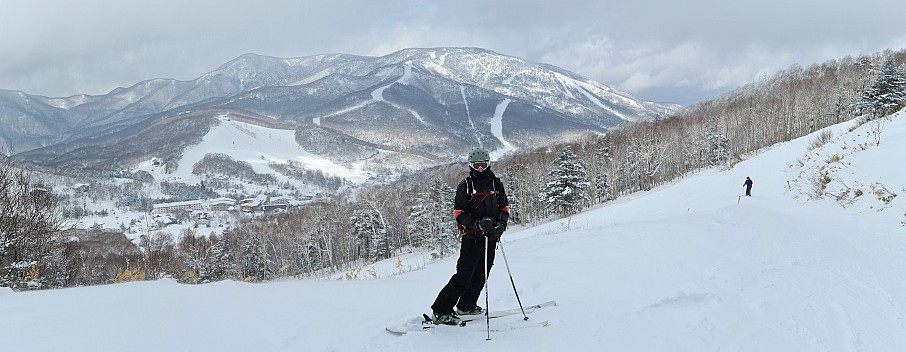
{"type": "Point", "coordinates": [470, 189]}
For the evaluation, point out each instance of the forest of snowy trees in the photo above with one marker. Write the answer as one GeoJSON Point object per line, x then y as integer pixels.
{"type": "Point", "coordinates": [349, 231]}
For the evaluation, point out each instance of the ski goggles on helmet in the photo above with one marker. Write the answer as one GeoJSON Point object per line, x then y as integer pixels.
{"type": "Point", "coordinates": [480, 165]}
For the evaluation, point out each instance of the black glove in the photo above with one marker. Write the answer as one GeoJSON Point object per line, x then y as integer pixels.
{"type": "Point", "coordinates": [500, 225]}
{"type": "Point", "coordinates": [502, 219]}
{"type": "Point", "coordinates": [485, 224]}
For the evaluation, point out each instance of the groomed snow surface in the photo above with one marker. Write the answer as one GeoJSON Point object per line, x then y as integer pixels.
{"type": "Point", "coordinates": [255, 145]}
{"type": "Point", "coordinates": [689, 266]}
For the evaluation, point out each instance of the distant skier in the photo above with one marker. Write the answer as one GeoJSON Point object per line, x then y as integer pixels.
{"type": "Point", "coordinates": [748, 185]}
{"type": "Point", "coordinates": [481, 211]}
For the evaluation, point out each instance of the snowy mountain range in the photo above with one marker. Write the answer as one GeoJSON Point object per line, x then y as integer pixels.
{"type": "Point", "coordinates": [342, 107]}
{"type": "Point", "coordinates": [692, 265]}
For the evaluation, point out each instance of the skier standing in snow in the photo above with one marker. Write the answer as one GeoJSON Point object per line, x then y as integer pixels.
{"type": "Point", "coordinates": [748, 185]}
{"type": "Point", "coordinates": [481, 211]}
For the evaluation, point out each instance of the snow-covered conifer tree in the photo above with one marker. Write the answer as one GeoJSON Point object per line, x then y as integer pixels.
{"type": "Point", "coordinates": [718, 143]}
{"type": "Point", "coordinates": [371, 232]}
{"type": "Point", "coordinates": [221, 266]}
{"type": "Point", "coordinates": [565, 192]}
{"type": "Point", "coordinates": [254, 262]}
{"type": "Point", "coordinates": [604, 161]}
{"type": "Point", "coordinates": [419, 223]}
{"type": "Point", "coordinates": [512, 175]}
{"type": "Point", "coordinates": [887, 93]}
{"type": "Point", "coordinates": [431, 220]}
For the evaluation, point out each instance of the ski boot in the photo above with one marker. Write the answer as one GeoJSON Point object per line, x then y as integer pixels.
{"type": "Point", "coordinates": [445, 319]}
{"type": "Point", "coordinates": [474, 311]}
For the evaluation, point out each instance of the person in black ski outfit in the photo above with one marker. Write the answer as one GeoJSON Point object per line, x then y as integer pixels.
{"type": "Point", "coordinates": [481, 211]}
{"type": "Point", "coordinates": [748, 185]}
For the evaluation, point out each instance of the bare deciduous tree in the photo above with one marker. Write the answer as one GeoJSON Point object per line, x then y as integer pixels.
{"type": "Point", "coordinates": [30, 223]}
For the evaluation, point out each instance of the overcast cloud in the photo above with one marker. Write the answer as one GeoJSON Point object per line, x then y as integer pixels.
{"type": "Point", "coordinates": [666, 50]}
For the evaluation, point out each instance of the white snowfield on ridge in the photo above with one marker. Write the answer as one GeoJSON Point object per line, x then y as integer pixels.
{"type": "Point", "coordinates": [689, 266]}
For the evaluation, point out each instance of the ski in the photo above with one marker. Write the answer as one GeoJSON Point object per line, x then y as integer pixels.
{"type": "Point", "coordinates": [425, 322]}
{"type": "Point", "coordinates": [503, 313]}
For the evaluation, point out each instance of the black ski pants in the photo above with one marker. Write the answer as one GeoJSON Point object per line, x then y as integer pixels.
{"type": "Point", "coordinates": [465, 286]}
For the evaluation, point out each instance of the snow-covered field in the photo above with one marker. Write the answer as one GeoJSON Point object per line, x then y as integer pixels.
{"type": "Point", "coordinates": [256, 145]}
{"type": "Point", "coordinates": [689, 266]}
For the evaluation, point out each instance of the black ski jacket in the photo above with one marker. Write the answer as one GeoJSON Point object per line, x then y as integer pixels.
{"type": "Point", "coordinates": [477, 196]}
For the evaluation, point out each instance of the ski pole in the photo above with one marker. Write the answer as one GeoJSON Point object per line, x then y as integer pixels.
{"type": "Point", "coordinates": [524, 317]}
{"type": "Point", "coordinates": [486, 300]}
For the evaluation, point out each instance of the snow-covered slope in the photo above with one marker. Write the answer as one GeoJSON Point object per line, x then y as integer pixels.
{"type": "Point", "coordinates": [690, 266]}
{"type": "Point", "coordinates": [256, 145]}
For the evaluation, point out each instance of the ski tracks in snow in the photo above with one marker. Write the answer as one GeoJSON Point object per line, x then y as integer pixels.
{"type": "Point", "coordinates": [794, 284]}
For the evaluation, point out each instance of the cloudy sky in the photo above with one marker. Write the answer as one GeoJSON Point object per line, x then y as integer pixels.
{"type": "Point", "coordinates": [658, 50]}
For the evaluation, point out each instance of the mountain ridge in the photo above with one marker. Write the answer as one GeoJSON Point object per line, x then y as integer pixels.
{"type": "Point", "coordinates": [447, 94]}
